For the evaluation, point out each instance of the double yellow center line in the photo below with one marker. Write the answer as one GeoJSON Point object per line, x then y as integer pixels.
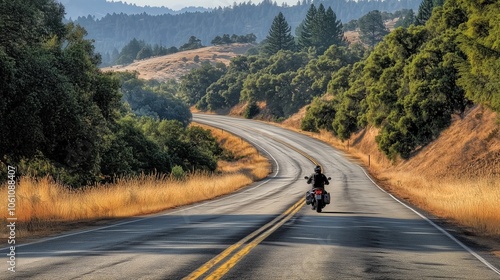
{"type": "Point", "coordinates": [232, 255]}
{"type": "Point", "coordinates": [223, 262]}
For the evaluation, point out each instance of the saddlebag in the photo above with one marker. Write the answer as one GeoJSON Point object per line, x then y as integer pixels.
{"type": "Point", "coordinates": [308, 198]}
{"type": "Point", "coordinates": [326, 197]}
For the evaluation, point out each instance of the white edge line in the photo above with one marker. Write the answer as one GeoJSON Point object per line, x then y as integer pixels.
{"type": "Point", "coordinates": [465, 247]}
{"type": "Point", "coordinates": [153, 215]}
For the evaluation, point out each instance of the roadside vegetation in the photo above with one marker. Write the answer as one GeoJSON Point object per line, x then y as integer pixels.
{"type": "Point", "coordinates": [456, 177]}
{"type": "Point", "coordinates": [403, 91]}
{"type": "Point", "coordinates": [469, 202]}
{"type": "Point", "coordinates": [44, 206]}
{"type": "Point", "coordinates": [83, 139]}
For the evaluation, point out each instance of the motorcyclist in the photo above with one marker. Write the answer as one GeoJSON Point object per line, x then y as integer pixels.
{"type": "Point", "coordinates": [318, 179]}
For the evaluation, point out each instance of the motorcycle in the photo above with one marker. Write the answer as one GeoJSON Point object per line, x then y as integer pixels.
{"type": "Point", "coordinates": [317, 197]}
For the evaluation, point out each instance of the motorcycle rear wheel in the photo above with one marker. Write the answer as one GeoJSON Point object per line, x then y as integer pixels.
{"type": "Point", "coordinates": [319, 206]}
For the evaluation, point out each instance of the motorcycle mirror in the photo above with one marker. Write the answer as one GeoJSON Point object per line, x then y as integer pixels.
{"type": "Point", "coordinates": [306, 177]}
{"type": "Point", "coordinates": [329, 178]}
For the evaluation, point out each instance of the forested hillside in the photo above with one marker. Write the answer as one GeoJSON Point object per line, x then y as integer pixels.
{"type": "Point", "coordinates": [113, 31]}
{"type": "Point", "coordinates": [100, 8]}
{"type": "Point", "coordinates": [63, 117]}
{"type": "Point", "coordinates": [408, 86]}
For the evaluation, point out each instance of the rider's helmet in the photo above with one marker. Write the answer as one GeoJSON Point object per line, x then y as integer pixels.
{"type": "Point", "coordinates": [317, 169]}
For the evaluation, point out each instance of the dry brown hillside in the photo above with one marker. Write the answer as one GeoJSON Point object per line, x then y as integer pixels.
{"type": "Point", "coordinates": [469, 148]}
{"type": "Point", "coordinates": [174, 66]}
{"type": "Point", "coordinates": [456, 178]}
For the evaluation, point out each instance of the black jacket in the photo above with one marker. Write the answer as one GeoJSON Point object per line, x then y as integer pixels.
{"type": "Point", "coordinates": [318, 180]}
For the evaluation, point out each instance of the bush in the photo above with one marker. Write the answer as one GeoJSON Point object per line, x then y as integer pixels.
{"type": "Point", "coordinates": [178, 173]}
{"type": "Point", "coordinates": [39, 167]}
{"type": "Point", "coordinates": [319, 115]}
{"type": "Point", "coordinates": [251, 110]}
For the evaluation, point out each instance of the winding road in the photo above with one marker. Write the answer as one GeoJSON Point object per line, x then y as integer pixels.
{"type": "Point", "coordinates": [265, 231]}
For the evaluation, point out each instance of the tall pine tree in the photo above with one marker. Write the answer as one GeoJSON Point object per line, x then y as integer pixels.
{"type": "Point", "coordinates": [320, 29]}
{"type": "Point", "coordinates": [306, 28]}
{"type": "Point", "coordinates": [425, 10]}
{"type": "Point", "coordinates": [372, 28]}
{"type": "Point", "coordinates": [334, 34]}
{"type": "Point", "coordinates": [406, 20]}
{"type": "Point", "coordinates": [280, 37]}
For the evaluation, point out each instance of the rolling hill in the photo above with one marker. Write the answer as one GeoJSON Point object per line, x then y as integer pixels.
{"type": "Point", "coordinates": [174, 66]}
{"type": "Point", "coordinates": [469, 148]}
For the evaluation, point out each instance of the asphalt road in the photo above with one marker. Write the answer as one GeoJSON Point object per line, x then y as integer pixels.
{"type": "Point", "coordinates": [264, 231]}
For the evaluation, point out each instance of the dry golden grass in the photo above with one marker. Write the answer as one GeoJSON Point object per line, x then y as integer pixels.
{"type": "Point", "coordinates": [250, 161]}
{"type": "Point", "coordinates": [43, 205]}
{"type": "Point", "coordinates": [472, 203]}
{"type": "Point", "coordinates": [456, 177]}
{"type": "Point", "coordinates": [173, 66]}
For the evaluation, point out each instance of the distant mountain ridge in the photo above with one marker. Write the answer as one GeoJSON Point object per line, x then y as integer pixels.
{"type": "Point", "coordinates": [100, 8]}
{"type": "Point", "coordinates": [113, 31]}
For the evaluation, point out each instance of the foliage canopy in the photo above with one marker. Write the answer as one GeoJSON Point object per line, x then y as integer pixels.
{"type": "Point", "coordinates": [66, 117]}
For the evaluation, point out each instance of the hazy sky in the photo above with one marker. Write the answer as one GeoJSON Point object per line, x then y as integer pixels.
{"type": "Point", "coordinates": [179, 4]}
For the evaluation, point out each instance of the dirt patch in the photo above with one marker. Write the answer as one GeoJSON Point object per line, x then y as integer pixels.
{"type": "Point", "coordinates": [352, 36]}
{"type": "Point", "coordinates": [296, 119]}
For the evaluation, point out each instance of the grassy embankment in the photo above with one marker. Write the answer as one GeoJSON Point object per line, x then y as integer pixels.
{"type": "Point", "coordinates": [44, 207]}
{"type": "Point", "coordinates": [457, 177]}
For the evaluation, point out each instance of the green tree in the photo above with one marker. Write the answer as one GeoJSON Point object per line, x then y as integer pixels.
{"type": "Point", "coordinates": [306, 28]}
{"type": "Point", "coordinates": [349, 105]}
{"type": "Point", "coordinates": [406, 20]}
{"type": "Point", "coordinates": [217, 40]}
{"type": "Point", "coordinates": [130, 152]}
{"type": "Point", "coordinates": [192, 148]}
{"type": "Point", "coordinates": [333, 59]}
{"type": "Point", "coordinates": [29, 23]}
{"type": "Point", "coordinates": [424, 12]}
{"type": "Point", "coordinates": [145, 52]}
{"type": "Point", "coordinates": [385, 69]}
{"type": "Point", "coordinates": [226, 39]}
{"type": "Point", "coordinates": [427, 97]}
{"type": "Point", "coordinates": [147, 99]}
{"type": "Point", "coordinates": [225, 92]}
{"type": "Point", "coordinates": [372, 28]}
{"type": "Point", "coordinates": [194, 85]}
{"type": "Point", "coordinates": [320, 29]}
{"type": "Point", "coordinates": [279, 37]}
{"type": "Point", "coordinates": [319, 115]}
{"type": "Point", "coordinates": [251, 110]}
{"type": "Point", "coordinates": [480, 41]}
{"type": "Point", "coordinates": [273, 83]}
{"type": "Point", "coordinates": [55, 93]}
{"type": "Point", "coordinates": [334, 34]}
{"type": "Point", "coordinates": [192, 44]}
{"type": "Point", "coordinates": [130, 51]}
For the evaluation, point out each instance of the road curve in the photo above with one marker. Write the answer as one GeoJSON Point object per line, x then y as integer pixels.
{"type": "Point", "coordinates": [264, 231]}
